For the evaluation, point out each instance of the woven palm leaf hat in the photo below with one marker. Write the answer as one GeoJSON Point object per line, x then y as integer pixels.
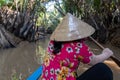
{"type": "Point", "coordinates": [71, 28]}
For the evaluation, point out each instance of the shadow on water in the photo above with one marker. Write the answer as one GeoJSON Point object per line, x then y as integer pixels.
{"type": "Point", "coordinates": [27, 57]}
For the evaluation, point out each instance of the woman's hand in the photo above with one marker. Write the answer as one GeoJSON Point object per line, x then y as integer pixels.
{"type": "Point", "coordinates": [107, 52]}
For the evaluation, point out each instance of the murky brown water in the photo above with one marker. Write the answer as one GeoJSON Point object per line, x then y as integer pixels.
{"type": "Point", "coordinates": [22, 60]}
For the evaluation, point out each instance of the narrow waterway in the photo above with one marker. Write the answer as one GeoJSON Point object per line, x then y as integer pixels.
{"type": "Point", "coordinates": [26, 57]}
{"type": "Point", "coordinates": [20, 61]}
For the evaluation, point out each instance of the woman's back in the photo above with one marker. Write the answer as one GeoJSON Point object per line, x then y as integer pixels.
{"type": "Point", "coordinates": [63, 64]}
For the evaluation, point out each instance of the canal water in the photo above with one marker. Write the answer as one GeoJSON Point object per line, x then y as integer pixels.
{"type": "Point", "coordinates": [20, 62]}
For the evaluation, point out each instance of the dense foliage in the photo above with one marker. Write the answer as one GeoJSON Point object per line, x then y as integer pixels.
{"type": "Point", "coordinates": [29, 19]}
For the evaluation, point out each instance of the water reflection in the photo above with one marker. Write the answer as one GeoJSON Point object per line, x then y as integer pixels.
{"type": "Point", "coordinates": [22, 60]}
{"type": "Point", "coordinates": [27, 57]}
{"type": "Point", "coordinates": [40, 53]}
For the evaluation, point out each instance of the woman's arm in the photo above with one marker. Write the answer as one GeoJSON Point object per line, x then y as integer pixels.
{"type": "Point", "coordinates": [92, 59]}
{"type": "Point", "coordinates": [106, 53]}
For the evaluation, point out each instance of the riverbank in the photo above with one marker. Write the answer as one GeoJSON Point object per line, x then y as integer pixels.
{"type": "Point", "coordinates": [23, 60]}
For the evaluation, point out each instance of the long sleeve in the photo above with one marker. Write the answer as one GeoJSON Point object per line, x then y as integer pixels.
{"type": "Point", "coordinates": [106, 53]}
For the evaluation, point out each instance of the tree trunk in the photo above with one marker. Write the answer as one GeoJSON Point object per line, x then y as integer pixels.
{"type": "Point", "coordinates": [7, 40]}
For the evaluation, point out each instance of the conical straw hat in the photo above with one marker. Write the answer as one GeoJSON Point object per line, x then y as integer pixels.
{"type": "Point", "coordinates": [71, 28]}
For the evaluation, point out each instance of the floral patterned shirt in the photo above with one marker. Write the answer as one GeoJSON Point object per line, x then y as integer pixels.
{"type": "Point", "coordinates": [63, 65]}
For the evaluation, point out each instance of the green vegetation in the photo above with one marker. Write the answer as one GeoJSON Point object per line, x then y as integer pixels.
{"type": "Point", "coordinates": [31, 19]}
{"type": "Point", "coordinates": [40, 54]}
{"type": "Point", "coordinates": [26, 18]}
{"type": "Point", "coordinates": [14, 76]}
{"type": "Point", "coordinates": [5, 2]}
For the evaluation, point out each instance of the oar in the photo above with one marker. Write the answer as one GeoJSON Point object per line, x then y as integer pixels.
{"type": "Point", "coordinates": [112, 57]}
{"type": "Point", "coordinates": [36, 74]}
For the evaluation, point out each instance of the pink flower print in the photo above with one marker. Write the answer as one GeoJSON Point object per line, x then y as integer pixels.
{"type": "Point", "coordinates": [75, 56]}
{"type": "Point", "coordinates": [79, 45]}
{"type": "Point", "coordinates": [72, 44]}
{"type": "Point", "coordinates": [63, 73]}
{"type": "Point", "coordinates": [52, 71]}
{"type": "Point", "coordinates": [86, 60]}
{"type": "Point", "coordinates": [52, 57]}
{"type": "Point", "coordinates": [80, 58]}
{"type": "Point", "coordinates": [57, 71]}
{"type": "Point", "coordinates": [51, 78]}
{"type": "Point", "coordinates": [71, 65]}
{"type": "Point", "coordinates": [46, 73]}
{"type": "Point", "coordinates": [68, 61]}
{"type": "Point", "coordinates": [47, 62]}
{"type": "Point", "coordinates": [69, 49]}
{"type": "Point", "coordinates": [77, 50]}
{"type": "Point", "coordinates": [51, 46]}
{"type": "Point", "coordinates": [59, 53]}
